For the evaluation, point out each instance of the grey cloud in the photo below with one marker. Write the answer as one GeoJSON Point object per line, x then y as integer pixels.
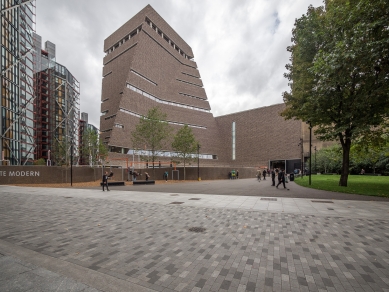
{"type": "Point", "coordinates": [239, 46]}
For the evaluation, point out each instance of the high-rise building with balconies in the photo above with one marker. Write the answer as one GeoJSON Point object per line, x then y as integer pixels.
{"type": "Point", "coordinates": [57, 104]}
{"type": "Point", "coordinates": [17, 143]}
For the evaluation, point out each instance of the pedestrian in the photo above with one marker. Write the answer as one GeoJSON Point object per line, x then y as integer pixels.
{"type": "Point", "coordinates": [147, 176]}
{"type": "Point", "coordinates": [281, 179]}
{"type": "Point", "coordinates": [362, 171]}
{"type": "Point", "coordinates": [259, 174]}
{"type": "Point", "coordinates": [134, 175]}
{"type": "Point", "coordinates": [273, 178]}
{"type": "Point", "coordinates": [229, 175]}
{"type": "Point", "coordinates": [105, 180]}
{"type": "Point", "coordinates": [237, 174]}
{"type": "Point", "coordinates": [264, 174]}
{"type": "Point", "coordinates": [165, 175]}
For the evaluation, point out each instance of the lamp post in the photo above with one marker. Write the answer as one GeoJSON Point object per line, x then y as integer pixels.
{"type": "Point", "coordinates": [314, 148]}
{"type": "Point", "coordinates": [198, 161]}
{"type": "Point", "coordinates": [71, 164]}
{"type": "Point", "coordinates": [302, 156]}
{"type": "Point", "coordinates": [310, 150]}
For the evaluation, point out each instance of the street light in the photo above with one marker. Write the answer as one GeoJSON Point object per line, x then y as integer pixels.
{"type": "Point", "coordinates": [310, 150]}
{"type": "Point", "coordinates": [198, 161]}
{"type": "Point", "coordinates": [315, 158]}
{"type": "Point", "coordinates": [302, 156]}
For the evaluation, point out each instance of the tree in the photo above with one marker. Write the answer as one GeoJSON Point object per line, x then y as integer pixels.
{"type": "Point", "coordinates": [185, 144]}
{"type": "Point", "coordinates": [58, 152]}
{"type": "Point", "coordinates": [92, 148]}
{"type": "Point", "coordinates": [152, 132]}
{"type": "Point", "coordinates": [328, 160]}
{"type": "Point", "coordinates": [339, 72]}
{"type": "Point", "coordinates": [40, 161]}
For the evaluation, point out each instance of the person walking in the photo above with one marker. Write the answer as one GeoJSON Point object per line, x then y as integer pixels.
{"type": "Point", "coordinates": [237, 174]}
{"type": "Point", "coordinates": [105, 181]}
{"type": "Point", "coordinates": [264, 174]}
{"type": "Point", "coordinates": [147, 176]}
{"type": "Point", "coordinates": [165, 175]}
{"type": "Point", "coordinates": [273, 178]}
{"type": "Point", "coordinates": [259, 174]}
{"type": "Point", "coordinates": [281, 179]}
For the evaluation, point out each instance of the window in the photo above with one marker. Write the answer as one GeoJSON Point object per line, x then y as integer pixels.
{"type": "Point", "coordinates": [133, 88]}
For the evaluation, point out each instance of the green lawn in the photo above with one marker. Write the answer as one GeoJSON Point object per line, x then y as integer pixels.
{"type": "Point", "coordinates": [357, 184]}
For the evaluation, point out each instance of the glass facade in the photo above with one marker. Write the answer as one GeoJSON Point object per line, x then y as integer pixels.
{"type": "Point", "coordinates": [57, 104]}
{"type": "Point", "coordinates": [17, 89]}
{"type": "Point", "coordinates": [66, 109]}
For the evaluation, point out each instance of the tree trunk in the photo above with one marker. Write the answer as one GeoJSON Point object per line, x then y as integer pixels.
{"type": "Point", "coordinates": [184, 168]}
{"type": "Point", "coordinates": [346, 145]}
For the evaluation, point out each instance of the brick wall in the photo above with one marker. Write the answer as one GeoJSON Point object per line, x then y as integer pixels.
{"type": "Point", "coordinates": [44, 174]}
{"type": "Point", "coordinates": [261, 135]}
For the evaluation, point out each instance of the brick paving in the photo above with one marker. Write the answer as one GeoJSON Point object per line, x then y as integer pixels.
{"type": "Point", "coordinates": [149, 243]}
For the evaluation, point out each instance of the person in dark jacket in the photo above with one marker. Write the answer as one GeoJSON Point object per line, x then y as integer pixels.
{"type": "Point", "coordinates": [264, 174]}
{"type": "Point", "coordinates": [281, 179]}
{"type": "Point", "coordinates": [105, 180]}
{"type": "Point", "coordinates": [273, 177]}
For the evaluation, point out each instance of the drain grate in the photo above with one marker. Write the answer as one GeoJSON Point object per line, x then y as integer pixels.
{"type": "Point", "coordinates": [177, 203]}
{"type": "Point", "coordinates": [268, 199]}
{"type": "Point", "coordinates": [330, 209]}
{"type": "Point", "coordinates": [68, 197]}
{"type": "Point", "coordinates": [197, 229]}
{"type": "Point", "coordinates": [315, 201]}
{"type": "Point", "coordinates": [194, 199]}
{"type": "Point", "coordinates": [174, 194]}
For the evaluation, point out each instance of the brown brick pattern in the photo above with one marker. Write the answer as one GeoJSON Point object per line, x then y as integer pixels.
{"type": "Point", "coordinates": [261, 134]}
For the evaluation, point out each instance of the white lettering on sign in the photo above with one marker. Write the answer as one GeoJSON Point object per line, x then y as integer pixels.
{"type": "Point", "coordinates": [3, 173]}
{"type": "Point", "coordinates": [20, 173]}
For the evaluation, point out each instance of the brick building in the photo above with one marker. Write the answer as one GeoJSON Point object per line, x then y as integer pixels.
{"type": "Point", "coordinates": [148, 64]}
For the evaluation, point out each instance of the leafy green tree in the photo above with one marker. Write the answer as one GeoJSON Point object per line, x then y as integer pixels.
{"type": "Point", "coordinates": [185, 144]}
{"type": "Point", "coordinates": [58, 152]}
{"type": "Point", "coordinates": [328, 160]}
{"type": "Point", "coordinates": [92, 149]}
{"type": "Point", "coordinates": [40, 161]}
{"type": "Point", "coordinates": [152, 132]}
{"type": "Point", "coordinates": [339, 72]}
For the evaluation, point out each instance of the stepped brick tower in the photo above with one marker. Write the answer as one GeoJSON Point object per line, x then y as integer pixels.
{"type": "Point", "coordinates": [147, 64]}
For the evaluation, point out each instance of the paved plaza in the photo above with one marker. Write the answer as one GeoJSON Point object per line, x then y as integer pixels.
{"type": "Point", "coordinates": [167, 238]}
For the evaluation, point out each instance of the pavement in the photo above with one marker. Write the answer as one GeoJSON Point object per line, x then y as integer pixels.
{"type": "Point", "coordinates": [238, 235]}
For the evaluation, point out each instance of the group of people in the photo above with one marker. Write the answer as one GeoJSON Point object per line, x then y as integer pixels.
{"type": "Point", "coordinates": [233, 174]}
{"type": "Point", "coordinates": [279, 173]}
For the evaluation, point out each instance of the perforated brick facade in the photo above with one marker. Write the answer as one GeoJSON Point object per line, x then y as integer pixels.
{"type": "Point", "coordinates": [148, 64]}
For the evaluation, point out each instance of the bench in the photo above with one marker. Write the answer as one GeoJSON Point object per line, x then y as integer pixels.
{"type": "Point", "coordinates": [114, 183]}
{"type": "Point", "coordinates": [143, 182]}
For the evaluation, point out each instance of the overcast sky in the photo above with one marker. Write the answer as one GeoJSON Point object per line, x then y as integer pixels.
{"type": "Point", "coordinates": [239, 45]}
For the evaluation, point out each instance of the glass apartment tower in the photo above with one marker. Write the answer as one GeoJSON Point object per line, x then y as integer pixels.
{"type": "Point", "coordinates": [17, 143]}
{"type": "Point", "coordinates": [57, 104]}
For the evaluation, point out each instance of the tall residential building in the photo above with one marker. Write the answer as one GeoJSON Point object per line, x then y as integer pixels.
{"type": "Point", "coordinates": [17, 143]}
{"type": "Point", "coordinates": [57, 104]}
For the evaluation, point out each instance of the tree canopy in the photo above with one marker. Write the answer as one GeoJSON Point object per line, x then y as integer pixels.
{"type": "Point", "coordinates": [92, 149]}
{"type": "Point", "coordinates": [185, 144]}
{"type": "Point", "coordinates": [152, 133]}
{"type": "Point", "coordinates": [339, 72]}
